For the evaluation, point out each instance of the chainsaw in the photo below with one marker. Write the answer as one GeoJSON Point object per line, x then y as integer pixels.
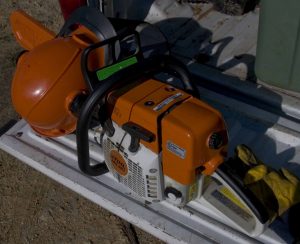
{"type": "Point", "coordinates": [106, 79]}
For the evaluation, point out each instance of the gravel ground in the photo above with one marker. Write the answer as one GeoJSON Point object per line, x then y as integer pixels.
{"type": "Point", "coordinates": [33, 208]}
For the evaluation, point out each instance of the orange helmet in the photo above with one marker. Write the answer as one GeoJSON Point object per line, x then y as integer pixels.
{"type": "Point", "coordinates": [48, 77]}
{"type": "Point", "coordinates": [42, 92]}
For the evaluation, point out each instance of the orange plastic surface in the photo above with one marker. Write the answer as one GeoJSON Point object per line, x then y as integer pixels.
{"type": "Point", "coordinates": [149, 118]}
{"type": "Point", "coordinates": [185, 134]}
{"type": "Point", "coordinates": [28, 32]}
{"type": "Point", "coordinates": [123, 102]}
{"type": "Point", "coordinates": [131, 107]}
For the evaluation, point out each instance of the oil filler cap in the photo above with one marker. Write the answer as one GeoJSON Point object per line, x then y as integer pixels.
{"type": "Point", "coordinates": [173, 195]}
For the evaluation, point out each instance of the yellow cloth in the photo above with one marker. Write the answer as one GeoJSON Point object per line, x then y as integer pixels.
{"type": "Point", "coordinates": [266, 183]}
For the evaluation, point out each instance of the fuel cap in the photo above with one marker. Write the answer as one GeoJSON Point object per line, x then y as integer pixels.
{"type": "Point", "coordinates": [173, 195]}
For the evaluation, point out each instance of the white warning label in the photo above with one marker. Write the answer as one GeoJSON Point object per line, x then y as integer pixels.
{"type": "Point", "coordinates": [180, 152]}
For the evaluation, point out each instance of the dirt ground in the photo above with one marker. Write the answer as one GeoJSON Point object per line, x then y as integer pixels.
{"type": "Point", "coordinates": [33, 208]}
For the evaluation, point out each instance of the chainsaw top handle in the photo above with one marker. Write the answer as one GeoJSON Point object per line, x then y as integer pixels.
{"type": "Point", "coordinates": [119, 61]}
{"type": "Point", "coordinates": [93, 77]}
{"type": "Point", "coordinates": [96, 98]}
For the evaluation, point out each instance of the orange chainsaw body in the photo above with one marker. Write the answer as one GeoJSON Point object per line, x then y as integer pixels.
{"type": "Point", "coordinates": [182, 126]}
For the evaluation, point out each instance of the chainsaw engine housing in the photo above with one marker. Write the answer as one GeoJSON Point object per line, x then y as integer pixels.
{"type": "Point", "coordinates": [140, 171]}
{"type": "Point", "coordinates": [179, 138]}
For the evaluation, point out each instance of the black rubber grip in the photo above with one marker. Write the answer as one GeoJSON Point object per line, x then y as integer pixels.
{"type": "Point", "coordinates": [89, 75]}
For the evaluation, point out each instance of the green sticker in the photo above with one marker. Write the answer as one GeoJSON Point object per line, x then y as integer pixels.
{"type": "Point", "coordinates": [106, 72]}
